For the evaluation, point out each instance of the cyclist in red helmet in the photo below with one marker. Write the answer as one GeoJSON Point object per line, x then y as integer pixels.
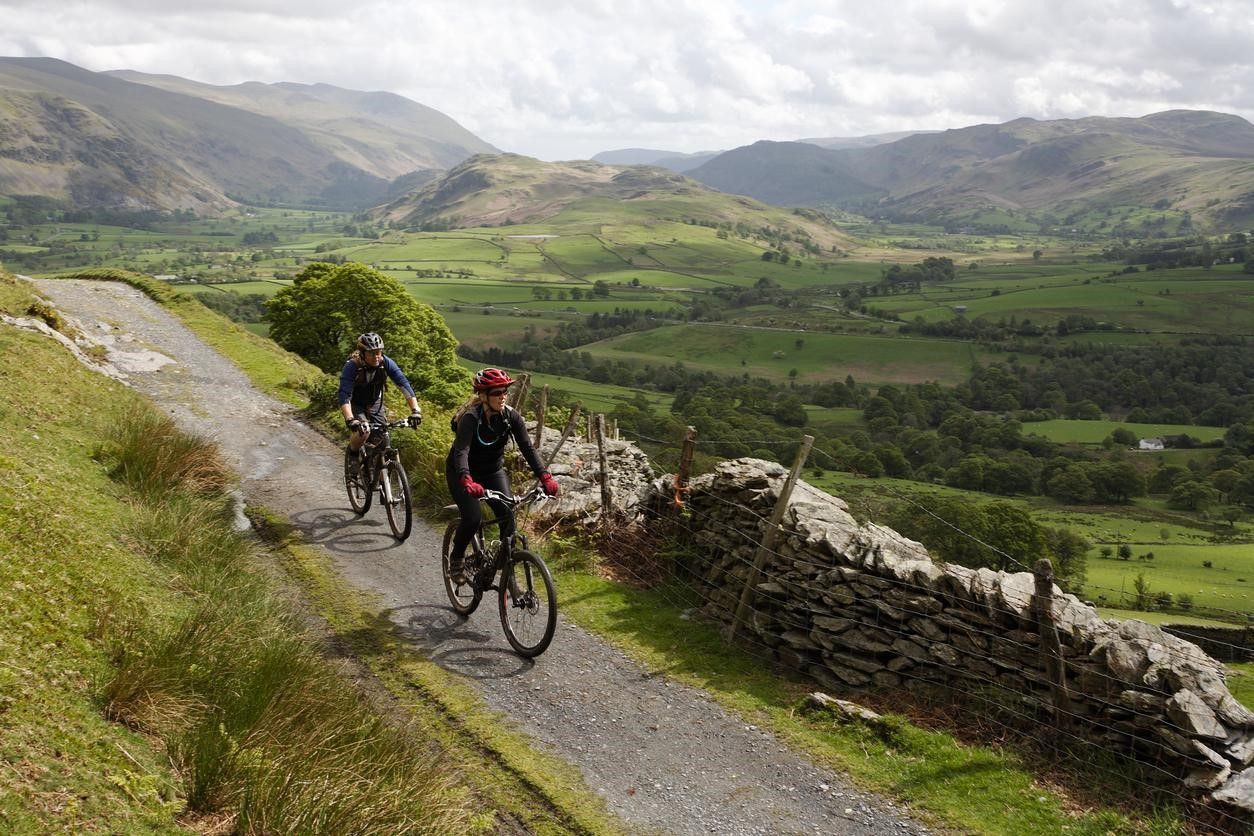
{"type": "Point", "coordinates": [483, 426]}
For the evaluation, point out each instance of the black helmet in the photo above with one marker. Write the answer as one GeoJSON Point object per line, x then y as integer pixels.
{"type": "Point", "coordinates": [370, 341]}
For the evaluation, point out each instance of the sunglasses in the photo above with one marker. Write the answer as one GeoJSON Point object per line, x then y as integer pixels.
{"type": "Point", "coordinates": [498, 392]}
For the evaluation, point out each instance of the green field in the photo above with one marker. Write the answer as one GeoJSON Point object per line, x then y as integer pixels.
{"type": "Point", "coordinates": [1219, 300]}
{"type": "Point", "coordinates": [774, 353]}
{"type": "Point", "coordinates": [1180, 545]}
{"type": "Point", "coordinates": [1227, 587]}
{"type": "Point", "coordinates": [1094, 432]}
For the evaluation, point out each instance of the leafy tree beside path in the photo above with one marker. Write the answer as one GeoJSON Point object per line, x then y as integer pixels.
{"type": "Point", "coordinates": [328, 305]}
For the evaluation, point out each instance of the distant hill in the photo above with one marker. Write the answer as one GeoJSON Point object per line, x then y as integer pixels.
{"type": "Point", "coordinates": [507, 189]}
{"type": "Point", "coordinates": [786, 174]}
{"type": "Point", "coordinates": [1197, 162]}
{"type": "Point", "coordinates": [108, 140]}
{"type": "Point", "coordinates": [673, 160]}
{"type": "Point", "coordinates": [868, 141]}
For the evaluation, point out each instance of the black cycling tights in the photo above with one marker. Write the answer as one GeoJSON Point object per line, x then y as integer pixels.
{"type": "Point", "coordinates": [470, 507]}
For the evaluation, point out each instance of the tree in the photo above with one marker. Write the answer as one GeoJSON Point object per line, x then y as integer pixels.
{"type": "Point", "coordinates": [327, 306]}
{"type": "Point", "coordinates": [600, 288]}
{"type": "Point", "coordinates": [1125, 551]}
{"type": "Point", "coordinates": [1071, 485]}
{"type": "Point", "coordinates": [1192, 496]}
{"type": "Point", "coordinates": [1142, 587]}
{"type": "Point", "coordinates": [1070, 556]}
{"type": "Point", "coordinates": [1036, 255]}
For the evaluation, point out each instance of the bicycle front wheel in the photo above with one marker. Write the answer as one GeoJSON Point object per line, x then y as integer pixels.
{"type": "Point", "coordinates": [463, 595]}
{"type": "Point", "coordinates": [396, 500]}
{"type": "Point", "coordinates": [357, 483]}
{"type": "Point", "coordinates": [528, 604]}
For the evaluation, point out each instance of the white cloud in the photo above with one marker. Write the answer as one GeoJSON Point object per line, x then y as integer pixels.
{"type": "Point", "coordinates": [567, 78]}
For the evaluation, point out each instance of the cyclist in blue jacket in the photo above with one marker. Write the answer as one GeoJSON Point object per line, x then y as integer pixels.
{"type": "Point", "coordinates": [361, 389]}
{"type": "Point", "coordinates": [483, 427]}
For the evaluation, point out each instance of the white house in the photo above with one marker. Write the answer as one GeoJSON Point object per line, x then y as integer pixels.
{"type": "Point", "coordinates": [1150, 444]}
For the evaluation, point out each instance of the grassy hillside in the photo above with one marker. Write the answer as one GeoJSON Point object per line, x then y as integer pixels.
{"type": "Point", "coordinates": [512, 189]}
{"type": "Point", "coordinates": [99, 140]}
{"type": "Point", "coordinates": [105, 608]}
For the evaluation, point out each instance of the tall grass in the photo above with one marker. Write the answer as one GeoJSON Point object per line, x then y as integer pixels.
{"type": "Point", "coordinates": [257, 722]}
{"type": "Point", "coordinates": [152, 457]}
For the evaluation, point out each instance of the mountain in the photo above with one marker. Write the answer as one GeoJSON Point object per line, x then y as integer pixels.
{"type": "Point", "coordinates": [1197, 162]}
{"type": "Point", "coordinates": [785, 174]}
{"type": "Point", "coordinates": [382, 133]}
{"type": "Point", "coordinates": [506, 189]}
{"type": "Point", "coordinates": [107, 140]}
{"type": "Point", "coordinates": [673, 160]}
{"type": "Point", "coordinates": [868, 141]}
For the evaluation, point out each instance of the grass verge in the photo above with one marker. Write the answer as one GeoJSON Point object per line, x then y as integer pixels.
{"type": "Point", "coordinates": [65, 566]}
{"type": "Point", "coordinates": [541, 793]}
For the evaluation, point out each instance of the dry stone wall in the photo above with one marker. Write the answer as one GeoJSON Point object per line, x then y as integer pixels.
{"type": "Point", "coordinates": [856, 605]}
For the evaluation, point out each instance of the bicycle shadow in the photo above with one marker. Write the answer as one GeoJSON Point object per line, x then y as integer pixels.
{"type": "Point", "coordinates": [454, 643]}
{"type": "Point", "coordinates": [340, 530]}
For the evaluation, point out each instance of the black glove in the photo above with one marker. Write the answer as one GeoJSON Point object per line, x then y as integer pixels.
{"type": "Point", "coordinates": [356, 425]}
{"type": "Point", "coordinates": [415, 418]}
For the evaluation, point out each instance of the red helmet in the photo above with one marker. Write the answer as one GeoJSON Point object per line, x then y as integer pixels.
{"type": "Point", "coordinates": [486, 379]}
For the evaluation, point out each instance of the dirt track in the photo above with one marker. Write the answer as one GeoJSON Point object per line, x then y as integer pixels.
{"type": "Point", "coordinates": [664, 756]}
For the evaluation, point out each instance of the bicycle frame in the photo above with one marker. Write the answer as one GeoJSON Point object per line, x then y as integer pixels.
{"type": "Point", "coordinates": [503, 549]}
{"type": "Point", "coordinates": [527, 598]}
{"type": "Point", "coordinates": [377, 453]}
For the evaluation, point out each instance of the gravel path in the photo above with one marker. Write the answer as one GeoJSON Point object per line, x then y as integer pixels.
{"type": "Point", "coordinates": [665, 757]}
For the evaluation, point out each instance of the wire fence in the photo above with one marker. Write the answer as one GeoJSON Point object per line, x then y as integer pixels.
{"type": "Point", "coordinates": [988, 657]}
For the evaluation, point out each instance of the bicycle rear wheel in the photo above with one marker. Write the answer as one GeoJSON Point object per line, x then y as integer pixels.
{"type": "Point", "coordinates": [396, 495]}
{"type": "Point", "coordinates": [464, 596]}
{"type": "Point", "coordinates": [359, 495]}
{"type": "Point", "coordinates": [528, 604]}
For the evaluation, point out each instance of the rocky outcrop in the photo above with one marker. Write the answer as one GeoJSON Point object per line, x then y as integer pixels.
{"type": "Point", "coordinates": [857, 605]}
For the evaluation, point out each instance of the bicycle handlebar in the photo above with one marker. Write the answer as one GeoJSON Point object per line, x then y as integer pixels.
{"type": "Point", "coordinates": [532, 495]}
{"type": "Point", "coordinates": [389, 425]}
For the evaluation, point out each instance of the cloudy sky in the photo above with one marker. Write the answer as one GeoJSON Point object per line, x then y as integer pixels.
{"type": "Point", "coordinates": [563, 80]}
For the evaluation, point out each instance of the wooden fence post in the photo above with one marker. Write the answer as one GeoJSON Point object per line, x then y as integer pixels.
{"type": "Point", "coordinates": [1051, 646]}
{"type": "Point", "coordinates": [541, 408]}
{"type": "Point", "coordinates": [770, 536]}
{"type": "Point", "coordinates": [685, 472]}
{"type": "Point", "coordinates": [606, 507]}
{"type": "Point", "coordinates": [571, 423]}
{"type": "Point", "coordinates": [524, 389]}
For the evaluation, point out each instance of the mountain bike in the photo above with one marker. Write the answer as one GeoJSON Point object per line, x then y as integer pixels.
{"type": "Point", "coordinates": [379, 471]}
{"type": "Point", "coordinates": [525, 591]}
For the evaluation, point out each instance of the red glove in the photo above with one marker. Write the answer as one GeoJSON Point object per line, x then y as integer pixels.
{"type": "Point", "coordinates": [551, 487]}
{"type": "Point", "coordinates": [472, 487]}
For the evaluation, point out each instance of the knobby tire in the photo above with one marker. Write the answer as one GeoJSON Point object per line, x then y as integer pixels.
{"type": "Point", "coordinates": [528, 604]}
{"type": "Point", "coordinates": [400, 512]}
{"type": "Point", "coordinates": [359, 493]}
{"type": "Point", "coordinates": [464, 597]}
